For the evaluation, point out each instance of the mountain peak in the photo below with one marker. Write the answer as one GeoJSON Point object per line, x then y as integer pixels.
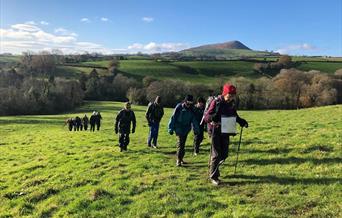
{"type": "Point", "coordinates": [225, 45]}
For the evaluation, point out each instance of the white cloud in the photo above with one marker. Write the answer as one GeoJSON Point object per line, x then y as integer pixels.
{"type": "Point", "coordinates": [153, 47]}
{"type": "Point", "coordinates": [85, 20]}
{"type": "Point", "coordinates": [25, 27]}
{"type": "Point", "coordinates": [148, 19]}
{"type": "Point", "coordinates": [23, 37]}
{"type": "Point", "coordinates": [296, 48]}
{"type": "Point", "coordinates": [30, 22]}
{"type": "Point", "coordinates": [104, 19]}
{"type": "Point", "coordinates": [65, 32]}
{"type": "Point", "coordinates": [44, 23]}
{"type": "Point", "coordinates": [135, 46]}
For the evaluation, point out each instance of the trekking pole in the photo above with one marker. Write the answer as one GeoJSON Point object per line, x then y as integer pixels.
{"type": "Point", "coordinates": [237, 154]}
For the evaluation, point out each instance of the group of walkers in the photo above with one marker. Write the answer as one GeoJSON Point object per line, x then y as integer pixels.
{"type": "Point", "coordinates": [211, 115]}
{"type": "Point", "coordinates": [80, 124]}
{"type": "Point", "coordinates": [186, 116]}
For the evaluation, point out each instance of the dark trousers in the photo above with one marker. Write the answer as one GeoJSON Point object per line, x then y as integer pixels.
{"type": "Point", "coordinates": [98, 126]}
{"type": "Point", "coordinates": [92, 127]}
{"type": "Point", "coordinates": [153, 134]}
{"type": "Point", "coordinates": [85, 127]}
{"type": "Point", "coordinates": [70, 127]}
{"type": "Point", "coordinates": [181, 139]}
{"type": "Point", "coordinates": [219, 152]}
{"type": "Point", "coordinates": [198, 138]}
{"type": "Point", "coordinates": [123, 140]}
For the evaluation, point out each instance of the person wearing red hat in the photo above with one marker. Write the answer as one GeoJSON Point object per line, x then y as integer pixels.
{"type": "Point", "coordinates": [222, 106]}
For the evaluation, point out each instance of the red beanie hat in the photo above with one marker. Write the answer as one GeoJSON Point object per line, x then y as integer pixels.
{"type": "Point", "coordinates": [227, 88]}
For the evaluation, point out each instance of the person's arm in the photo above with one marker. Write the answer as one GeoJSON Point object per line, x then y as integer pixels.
{"type": "Point", "coordinates": [134, 122]}
{"type": "Point", "coordinates": [195, 124]}
{"type": "Point", "coordinates": [173, 118]}
{"type": "Point", "coordinates": [116, 126]}
{"type": "Point", "coordinates": [208, 116]}
{"type": "Point", "coordinates": [241, 121]}
{"type": "Point", "coordinates": [148, 112]}
{"type": "Point", "coordinates": [162, 108]}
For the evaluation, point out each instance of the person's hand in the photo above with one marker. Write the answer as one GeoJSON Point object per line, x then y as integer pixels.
{"type": "Point", "coordinates": [170, 132]}
{"type": "Point", "coordinates": [244, 123]}
{"type": "Point", "coordinates": [116, 131]}
{"type": "Point", "coordinates": [149, 123]}
{"type": "Point", "coordinates": [133, 130]}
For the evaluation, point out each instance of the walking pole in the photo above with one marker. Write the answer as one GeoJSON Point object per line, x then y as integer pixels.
{"type": "Point", "coordinates": [237, 154]}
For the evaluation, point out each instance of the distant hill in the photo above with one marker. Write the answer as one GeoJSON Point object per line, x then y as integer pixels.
{"type": "Point", "coordinates": [225, 45]}
{"type": "Point", "coordinates": [231, 49]}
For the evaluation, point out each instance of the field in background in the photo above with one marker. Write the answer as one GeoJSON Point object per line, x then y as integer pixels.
{"type": "Point", "coordinates": [191, 71]}
{"type": "Point", "coordinates": [290, 166]}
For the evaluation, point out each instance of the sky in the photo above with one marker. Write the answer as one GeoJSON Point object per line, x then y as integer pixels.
{"type": "Point", "coordinates": [295, 27]}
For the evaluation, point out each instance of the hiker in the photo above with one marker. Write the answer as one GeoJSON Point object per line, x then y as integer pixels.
{"type": "Point", "coordinates": [85, 121]}
{"type": "Point", "coordinates": [78, 123]}
{"type": "Point", "coordinates": [180, 123]}
{"type": "Point", "coordinates": [98, 120]}
{"type": "Point", "coordinates": [92, 121]}
{"type": "Point", "coordinates": [221, 107]}
{"type": "Point", "coordinates": [70, 123]}
{"type": "Point", "coordinates": [154, 114]}
{"type": "Point", "coordinates": [198, 111]}
{"type": "Point", "coordinates": [207, 104]}
{"type": "Point", "coordinates": [123, 125]}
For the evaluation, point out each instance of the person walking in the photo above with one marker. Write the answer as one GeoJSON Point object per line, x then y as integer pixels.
{"type": "Point", "coordinates": [220, 108]}
{"type": "Point", "coordinates": [122, 125]}
{"type": "Point", "coordinates": [180, 122]}
{"type": "Point", "coordinates": [154, 114]}
{"type": "Point", "coordinates": [198, 111]}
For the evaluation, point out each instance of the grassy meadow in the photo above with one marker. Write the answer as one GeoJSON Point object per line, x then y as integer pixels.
{"type": "Point", "coordinates": [290, 165]}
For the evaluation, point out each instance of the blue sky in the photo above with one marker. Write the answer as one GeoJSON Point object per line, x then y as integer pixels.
{"type": "Point", "coordinates": [293, 27]}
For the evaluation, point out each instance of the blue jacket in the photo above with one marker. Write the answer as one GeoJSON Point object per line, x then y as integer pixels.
{"type": "Point", "coordinates": [182, 119]}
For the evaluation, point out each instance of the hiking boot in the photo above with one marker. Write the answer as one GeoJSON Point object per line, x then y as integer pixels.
{"type": "Point", "coordinates": [215, 181]}
{"type": "Point", "coordinates": [179, 163]}
{"type": "Point", "coordinates": [195, 153]}
{"type": "Point", "coordinates": [183, 162]}
{"type": "Point", "coordinates": [154, 146]}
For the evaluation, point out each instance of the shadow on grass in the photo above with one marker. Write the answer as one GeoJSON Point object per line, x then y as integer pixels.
{"type": "Point", "coordinates": [269, 151]}
{"type": "Point", "coordinates": [293, 160]}
{"type": "Point", "coordinates": [269, 179]}
{"type": "Point", "coordinates": [32, 120]}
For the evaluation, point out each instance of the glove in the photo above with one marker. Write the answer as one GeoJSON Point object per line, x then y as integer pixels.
{"type": "Point", "coordinates": [133, 130]}
{"type": "Point", "coordinates": [170, 132]}
{"type": "Point", "coordinates": [243, 123]}
{"type": "Point", "coordinates": [116, 131]}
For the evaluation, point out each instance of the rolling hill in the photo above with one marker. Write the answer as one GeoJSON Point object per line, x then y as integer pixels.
{"type": "Point", "coordinates": [231, 49]}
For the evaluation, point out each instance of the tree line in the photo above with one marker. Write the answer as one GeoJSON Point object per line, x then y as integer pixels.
{"type": "Point", "coordinates": [31, 88]}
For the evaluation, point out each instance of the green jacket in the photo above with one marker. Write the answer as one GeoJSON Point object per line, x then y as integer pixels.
{"type": "Point", "coordinates": [182, 119]}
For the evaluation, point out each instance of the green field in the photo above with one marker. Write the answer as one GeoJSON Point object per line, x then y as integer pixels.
{"type": "Point", "coordinates": [190, 71]}
{"type": "Point", "coordinates": [290, 166]}
{"type": "Point", "coordinates": [321, 66]}
{"type": "Point", "coordinates": [196, 71]}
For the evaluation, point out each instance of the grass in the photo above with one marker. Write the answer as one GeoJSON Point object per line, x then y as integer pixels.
{"type": "Point", "coordinates": [194, 71]}
{"type": "Point", "coordinates": [289, 166]}
{"type": "Point", "coordinates": [321, 66]}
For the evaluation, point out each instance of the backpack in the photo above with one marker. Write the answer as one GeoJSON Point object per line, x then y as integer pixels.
{"type": "Point", "coordinates": [207, 106]}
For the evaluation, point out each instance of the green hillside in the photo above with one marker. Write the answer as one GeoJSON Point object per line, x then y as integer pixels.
{"type": "Point", "coordinates": [289, 166]}
{"type": "Point", "coordinates": [227, 53]}
{"type": "Point", "coordinates": [192, 71]}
